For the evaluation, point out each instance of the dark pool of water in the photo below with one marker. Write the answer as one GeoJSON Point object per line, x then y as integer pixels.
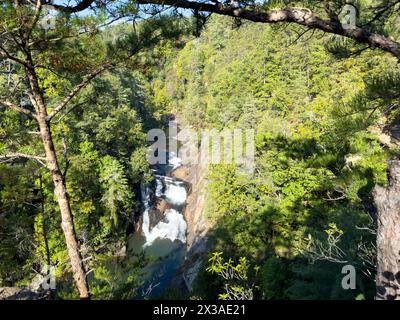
{"type": "Point", "coordinates": [166, 257]}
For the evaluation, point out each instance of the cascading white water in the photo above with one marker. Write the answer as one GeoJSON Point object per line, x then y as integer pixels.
{"type": "Point", "coordinates": [145, 191]}
{"type": "Point", "coordinates": [146, 203]}
{"type": "Point", "coordinates": [175, 194]}
{"type": "Point", "coordinates": [159, 188]}
{"type": "Point", "coordinates": [165, 240]}
{"type": "Point", "coordinates": [175, 190]}
{"type": "Point", "coordinates": [174, 160]}
{"type": "Point", "coordinates": [173, 225]}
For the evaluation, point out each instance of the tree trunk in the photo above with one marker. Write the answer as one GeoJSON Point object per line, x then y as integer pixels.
{"type": "Point", "coordinates": [44, 229]}
{"type": "Point", "coordinates": [60, 189]}
{"type": "Point", "coordinates": [67, 224]}
{"type": "Point", "coordinates": [388, 235]}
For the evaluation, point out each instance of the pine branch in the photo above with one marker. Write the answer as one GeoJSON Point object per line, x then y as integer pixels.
{"type": "Point", "coordinates": [301, 16]}
{"type": "Point", "coordinates": [80, 6]}
{"type": "Point", "coordinates": [89, 77]}
{"type": "Point", "coordinates": [18, 109]}
{"type": "Point", "coordinates": [6, 55]}
{"type": "Point", "coordinates": [38, 10]}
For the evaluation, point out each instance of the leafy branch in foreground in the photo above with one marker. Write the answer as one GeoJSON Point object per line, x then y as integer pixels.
{"type": "Point", "coordinates": [235, 277]}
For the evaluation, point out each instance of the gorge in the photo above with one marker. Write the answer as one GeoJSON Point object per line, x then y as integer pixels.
{"type": "Point", "coordinates": [168, 227]}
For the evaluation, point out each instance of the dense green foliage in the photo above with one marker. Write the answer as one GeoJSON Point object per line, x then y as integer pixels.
{"type": "Point", "coordinates": [105, 140]}
{"type": "Point", "coordinates": [317, 153]}
{"type": "Point", "coordinates": [283, 232]}
{"type": "Point", "coordinates": [101, 140]}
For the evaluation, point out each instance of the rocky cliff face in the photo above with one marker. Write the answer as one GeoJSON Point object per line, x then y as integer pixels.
{"type": "Point", "coordinates": [197, 225]}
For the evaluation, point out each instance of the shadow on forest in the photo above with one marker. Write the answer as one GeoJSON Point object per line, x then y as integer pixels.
{"type": "Point", "coordinates": [275, 231]}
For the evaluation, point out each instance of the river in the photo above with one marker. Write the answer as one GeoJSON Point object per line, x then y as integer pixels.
{"type": "Point", "coordinates": [162, 236]}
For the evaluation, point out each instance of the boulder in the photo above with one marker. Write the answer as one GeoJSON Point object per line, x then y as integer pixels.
{"type": "Point", "coordinates": [162, 205]}
{"type": "Point", "coordinates": [181, 173]}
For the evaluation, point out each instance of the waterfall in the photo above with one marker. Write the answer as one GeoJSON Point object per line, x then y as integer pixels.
{"type": "Point", "coordinates": [173, 225]}
{"type": "Point", "coordinates": [174, 160]}
{"type": "Point", "coordinates": [173, 190]}
{"type": "Point", "coordinates": [145, 191]}
{"type": "Point", "coordinates": [176, 194]}
{"type": "Point", "coordinates": [159, 188]}
{"type": "Point", "coordinates": [163, 235]}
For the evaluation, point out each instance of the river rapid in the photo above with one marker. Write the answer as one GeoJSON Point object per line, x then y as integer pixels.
{"type": "Point", "coordinates": [162, 235]}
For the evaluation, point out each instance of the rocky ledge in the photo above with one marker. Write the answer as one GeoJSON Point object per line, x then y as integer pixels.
{"type": "Point", "coordinates": [197, 225]}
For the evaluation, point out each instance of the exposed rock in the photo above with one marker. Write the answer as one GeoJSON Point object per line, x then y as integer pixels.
{"type": "Point", "coordinates": [157, 213]}
{"type": "Point", "coordinates": [22, 293]}
{"type": "Point", "coordinates": [155, 217]}
{"type": "Point", "coordinates": [162, 205]}
{"type": "Point", "coordinates": [197, 225]}
{"type": "Point", "coordinates": [191, 273]}
{"type": "Point", "coordinates": [182, 173]}
{"type": "Point", "coordinates": [138, 224]}
{"type": "Point", "coordinates": [388, 133]}
{"type": "Point", "coordinates": [385, 139]}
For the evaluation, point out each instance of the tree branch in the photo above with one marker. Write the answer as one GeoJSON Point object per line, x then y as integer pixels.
{"type": "Point", "coordinates": [77, 89]}
{"type": "Point", "coordinates": [82, 5]}
{"type": "Point", "coordinates": [35, 19]}
{"type": "Point", "coordinates": [18, 109]}
{"type": "Point", "coordinates": [301, 16]}
{"type": "Point", "coordinates": [12, 156]}
{"type": "Point", "coordinates": [5, 54]}
{"type": "Point", "coordinates": [383, 10]}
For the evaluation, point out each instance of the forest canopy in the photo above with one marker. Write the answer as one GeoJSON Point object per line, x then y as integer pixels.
{"type": "Point", "coordinates": [82, 82]}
